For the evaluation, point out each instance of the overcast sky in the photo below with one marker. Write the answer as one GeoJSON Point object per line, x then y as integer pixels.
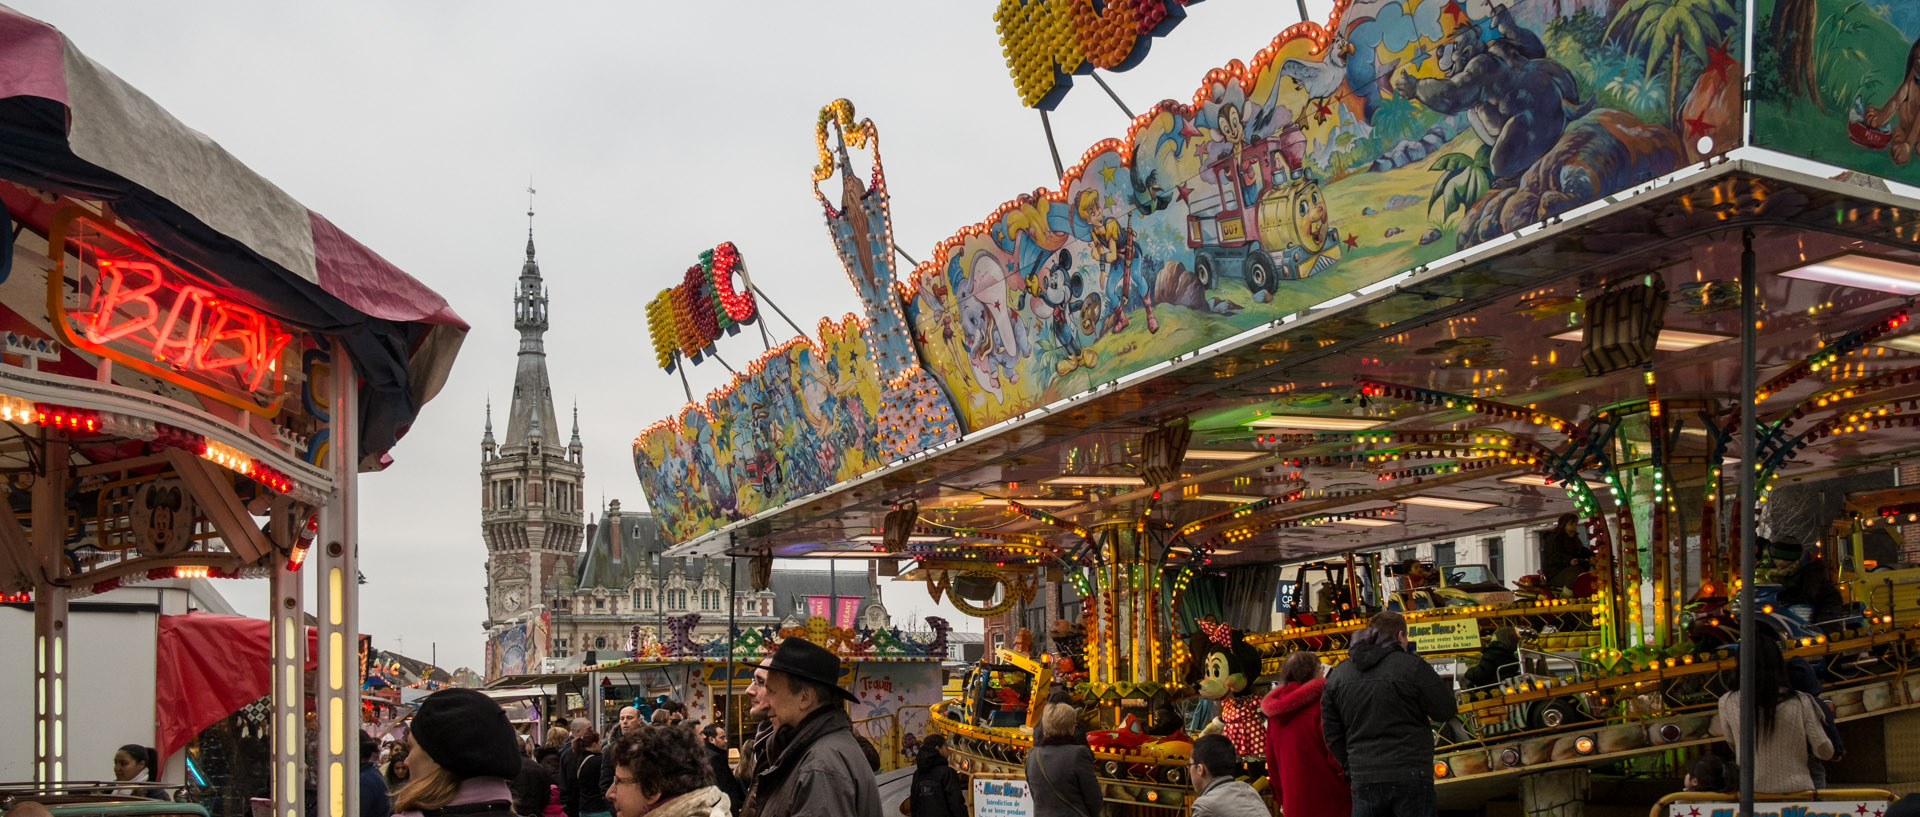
{"type": "Point", "coordinates": [652, 131]}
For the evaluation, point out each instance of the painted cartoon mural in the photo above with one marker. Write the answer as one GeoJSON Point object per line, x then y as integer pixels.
{"type": "Point", "coordinates": [1399, 133]}
{"type": "Point", "coordinates": [1839, 81]}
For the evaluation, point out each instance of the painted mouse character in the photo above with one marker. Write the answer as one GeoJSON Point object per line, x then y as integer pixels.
{"type": "Point", "coordinates": [1224, 667]}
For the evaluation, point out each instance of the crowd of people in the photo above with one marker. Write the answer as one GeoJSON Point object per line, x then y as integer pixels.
{"type": "Point", "coordinates": [1352, 742]}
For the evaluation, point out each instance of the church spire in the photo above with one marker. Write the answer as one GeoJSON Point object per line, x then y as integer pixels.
{"type": "Point", "coordinates": [532, 396]}
{"type": "Point", "coordinates": [486, 438]}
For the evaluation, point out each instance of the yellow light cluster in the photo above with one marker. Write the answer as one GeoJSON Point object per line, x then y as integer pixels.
{"type": "Point", "coordinates": [16, 410]}
{"type": "Point", "coordinates": [229, 457]}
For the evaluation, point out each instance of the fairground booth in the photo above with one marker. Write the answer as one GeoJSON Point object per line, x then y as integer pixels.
{"type": "Point", "coordinates": [196, 371]}
{"type": "Point", "coordinates": [1419, 271]}
{"type": "Point", "coordinates": [895, 677]}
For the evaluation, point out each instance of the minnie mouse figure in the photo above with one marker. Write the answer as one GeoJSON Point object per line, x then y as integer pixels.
{"type": "Point", "coordinates": [1223, 668]}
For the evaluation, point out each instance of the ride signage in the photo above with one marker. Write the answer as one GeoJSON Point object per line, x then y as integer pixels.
{"type": "Point", "coordinates": [1445, 635]}
{"type": "Point", "coordinates": [137, 309]}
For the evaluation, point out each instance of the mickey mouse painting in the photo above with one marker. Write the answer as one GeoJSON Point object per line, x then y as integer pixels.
{"type": "Point", "coordinates": [1223, 668]}
{"type": "Point", "coordinates": [159, 519]}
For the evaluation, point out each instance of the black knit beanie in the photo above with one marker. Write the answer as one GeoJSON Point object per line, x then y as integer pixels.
{"type": "Point", "coordinates": [467, 734]}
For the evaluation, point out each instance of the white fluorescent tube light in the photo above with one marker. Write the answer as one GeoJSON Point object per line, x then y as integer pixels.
{"type": "Point", "coordinates": [1223, 456]}
{"type": "Point", "coordinates": [1366, 523]}
{"type": "Point", "coordinates": [1220, 552]}
{"type": "Point", "coordinates": [1314, 423]}
{"type": "Point", "coordinates": [1536, 479]}
{"type": "Point", "coordinates": [1237, 499]}
{"type": "Point", "coordinates": [918, 537]}
{"type": "Point", "coordinates": [1034, 502]}
{"type": "Point", "coordinates": [1863, 272]}
{"type": "Point", "coordinates": [1444, 502]}
{"type": "Point", "coordinates": [849, 554]}
{"type": "Point", "coordinates": [1092, 480]}
{"type": "Point", "coordinates": [1670, 340]}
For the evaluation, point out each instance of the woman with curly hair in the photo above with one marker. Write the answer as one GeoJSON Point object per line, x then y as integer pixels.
{"type": "Point", "coordinates": [677, 780]}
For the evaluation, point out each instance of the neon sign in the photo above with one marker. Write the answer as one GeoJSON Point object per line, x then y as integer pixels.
{"type": "Point", "coordinates": [137, 309]}
{"type": "Point", "coordinates": [1048, 41]}
{"type": "Point", "coordinates": [685, 320]}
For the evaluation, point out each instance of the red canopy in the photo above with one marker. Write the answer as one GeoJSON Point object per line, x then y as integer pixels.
{"type": "Point", "coordinates": [207, 667]}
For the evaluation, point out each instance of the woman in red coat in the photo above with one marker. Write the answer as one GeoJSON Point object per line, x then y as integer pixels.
{"type": "Point", "coordinates": [1305, 779]}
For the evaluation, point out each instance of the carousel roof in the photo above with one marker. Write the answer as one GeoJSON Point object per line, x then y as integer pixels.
{"type": "Point", "coordinates": [72, 129]}
{"type": "Point", "coordinates": [1446, 399]}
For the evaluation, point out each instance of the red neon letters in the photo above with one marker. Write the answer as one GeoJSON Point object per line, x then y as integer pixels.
{"type": "Point", "coordinates": [196, 330]}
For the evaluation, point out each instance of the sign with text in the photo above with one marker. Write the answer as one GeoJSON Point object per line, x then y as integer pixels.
{"type": "Point", "coordinates": [1445, 635]}
{"type": "Point", "coordinates": [137, 309]}
{"type": "Point", "coordinates": [1798, 808]}
{"type": "Point", "coordinates": [1001, 798]}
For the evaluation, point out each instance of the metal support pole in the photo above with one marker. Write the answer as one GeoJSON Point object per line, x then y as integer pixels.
{"type": "Point", "coordinates": [338, 699]}
{"type": "Point", "coordinates": [50, 613]}
{"type": "Point", "coordinates": [1303, 10]}
{"type": "Point", "coordinates": [778, 311]}
{"type": "Point", "coordinates": [1113, 96]}
{"type": "Point", "coordinates": [289, 725]}
{"type": "Point", "coordinates": [1749, 464]}
{"type": "Point", "coordinates": [1054, 149]}
{"type": "Point", "coordinates": [733, 608]}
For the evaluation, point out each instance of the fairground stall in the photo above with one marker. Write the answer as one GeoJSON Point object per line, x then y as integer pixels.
{"type": "Point", "coordinates": [196, 370]}
{"type": "Point", "coordinates": [1425, 270]}
{"type": "Point", "coordinates": [894, 675]}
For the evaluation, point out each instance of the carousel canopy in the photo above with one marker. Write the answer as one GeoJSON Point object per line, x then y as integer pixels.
{"type": "Point", "coordinates": [73, 129]}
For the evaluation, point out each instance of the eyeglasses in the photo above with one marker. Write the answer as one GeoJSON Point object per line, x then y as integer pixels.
{"type": "Point", "coordinates": [624, 781]}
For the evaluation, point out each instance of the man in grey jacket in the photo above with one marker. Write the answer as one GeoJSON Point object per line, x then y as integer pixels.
{"type": "Point", "coordinates": [1377, 715]}
{"type": "Point", "coordinates": [809, 764]}
{"type": "Point", "coordinates": [1221, 795]}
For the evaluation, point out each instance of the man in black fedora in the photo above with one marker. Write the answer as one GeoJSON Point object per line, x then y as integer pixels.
{"type": "Point", "coordinates": [805, 760]}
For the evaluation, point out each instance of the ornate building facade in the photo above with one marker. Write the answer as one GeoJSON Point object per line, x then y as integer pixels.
{"type": "Point", "coordinates": [625, 591]}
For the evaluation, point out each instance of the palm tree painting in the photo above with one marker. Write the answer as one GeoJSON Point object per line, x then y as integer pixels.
{"type": "Point", "coordinates": [1662, 29]}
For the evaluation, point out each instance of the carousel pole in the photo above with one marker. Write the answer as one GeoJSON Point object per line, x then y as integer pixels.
{"type": "Point", "coordinates": [1748, 476]}
{"type": "Point", "coordinates": [50, 633]}
{"type": "Point", "coordinates": [337, 584]}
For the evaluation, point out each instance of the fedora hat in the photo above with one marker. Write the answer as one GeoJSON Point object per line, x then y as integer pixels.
{"type": "Point", "coordinates": [801, 658]}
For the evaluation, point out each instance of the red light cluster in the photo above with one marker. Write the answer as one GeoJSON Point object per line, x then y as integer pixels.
{"type": "Point", "coordinates": [62, 417]}
{"type": "Point", "coordinates": [737, 305]}
{"type": "Point", "coordinates": [22, 597]}
{"type": "Point", "coordinates": [271, 478]}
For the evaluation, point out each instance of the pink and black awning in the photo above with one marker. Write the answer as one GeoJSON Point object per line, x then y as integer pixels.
{"type": "Point", "coordinates": [68, 126]}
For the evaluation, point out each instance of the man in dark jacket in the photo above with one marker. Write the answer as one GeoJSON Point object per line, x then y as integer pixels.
{"type": "Point", "coordinates": [1377, 715]}
{"type": "Point", "coordinates": [809, 765]}
{"type": "Point", "coordinates": [715, 737]}
{"type": "Point", "coordinates": [936, 789]}
{"type": "Point", "coordinates": [1499, 660]}
{"type": "Point", "coordinates": [630, 725]}
{"type": "Point", "coordinates": [374, 800]}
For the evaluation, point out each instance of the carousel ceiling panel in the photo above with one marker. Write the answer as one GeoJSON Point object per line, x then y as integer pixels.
{"type": "Point", "coordinates": [1496, 329]}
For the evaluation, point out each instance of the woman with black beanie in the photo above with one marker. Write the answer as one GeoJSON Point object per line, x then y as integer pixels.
{"type": "Point", "coordinates": [463, 753]}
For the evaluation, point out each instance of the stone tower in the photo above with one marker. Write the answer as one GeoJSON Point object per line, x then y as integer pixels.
{"type": "Point", "coordinates": [530, 482]}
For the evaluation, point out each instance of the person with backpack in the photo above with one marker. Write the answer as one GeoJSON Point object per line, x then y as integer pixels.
{"type": "Point", "coordinates": [937, 790]}
{"type": "Point", "coordinates": [586, 748]}
{"type": "Point", "coordinates": [462, 753]}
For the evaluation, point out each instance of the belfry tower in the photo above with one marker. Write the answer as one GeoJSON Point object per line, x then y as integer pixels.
{"type": "Point", "coordinates": [530, 498]}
